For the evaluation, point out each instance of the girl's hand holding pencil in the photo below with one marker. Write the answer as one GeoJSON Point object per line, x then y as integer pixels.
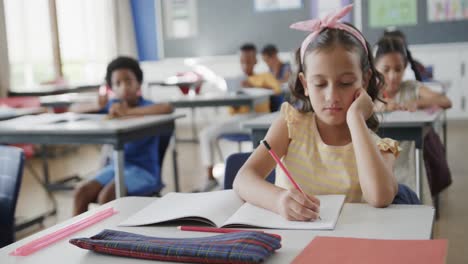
{"type": "Point", "coordinates": [294, 204]}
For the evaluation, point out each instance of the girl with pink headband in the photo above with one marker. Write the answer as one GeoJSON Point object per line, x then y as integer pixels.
{"type": "Point", "coordinates": [325, 136]}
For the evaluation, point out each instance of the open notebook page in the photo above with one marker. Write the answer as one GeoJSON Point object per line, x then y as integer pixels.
{"type": "Point", "coordinates": [215, 207]}
{"type": "Point", "coordinates": [250, 215]}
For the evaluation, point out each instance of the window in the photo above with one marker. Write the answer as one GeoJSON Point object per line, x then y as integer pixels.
{"type": "Point", "coordinates": [86, 38]}
{"type": "Point", "coordinates": [29, 42]}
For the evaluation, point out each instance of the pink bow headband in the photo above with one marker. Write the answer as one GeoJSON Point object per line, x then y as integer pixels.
{"type": "Point", "coordinates": [315, 26]}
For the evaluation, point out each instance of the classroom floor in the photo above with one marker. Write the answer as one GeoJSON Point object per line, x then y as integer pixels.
{"type": "Point", "coordinates": [84, 160]}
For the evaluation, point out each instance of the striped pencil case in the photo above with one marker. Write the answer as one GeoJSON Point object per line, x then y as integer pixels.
{"type": "Point", "coordinates": [241, 247]}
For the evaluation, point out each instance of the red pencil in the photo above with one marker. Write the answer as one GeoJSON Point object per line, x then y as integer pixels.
{"type": "Point", "coordinates": [219, 230]}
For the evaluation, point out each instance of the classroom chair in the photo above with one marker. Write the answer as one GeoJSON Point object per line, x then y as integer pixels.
{"type": "Point", "coordinates": [275, 104]}
{"type": "Point", "coordinates": [233, 163]}
{"type": "Point", "coordinates": [405, 196]}
{"type": "Point", "coordinates": [29, 152]}
{"type": "Point", "coordinates": [276, 100]}
{"type": "Point", "coordinates": [11, 173]}
{"type": "Point", "coordinates": [164, 141]}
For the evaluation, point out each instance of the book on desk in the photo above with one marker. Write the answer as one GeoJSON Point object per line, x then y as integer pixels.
{"type": "Point", "coordinates": [226, 209]}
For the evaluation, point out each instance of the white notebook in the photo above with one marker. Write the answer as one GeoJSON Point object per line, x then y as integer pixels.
{"type": "Point", "coordinates": [226, 209]}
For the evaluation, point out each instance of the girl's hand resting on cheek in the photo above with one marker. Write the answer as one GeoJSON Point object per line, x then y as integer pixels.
{"type": "Point", "coordinates": [362, 105]}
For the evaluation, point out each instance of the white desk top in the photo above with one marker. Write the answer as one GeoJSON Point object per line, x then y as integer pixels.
{"type": "Point", "coordinates": [48, 89]}
{"type": "Point", "coordinates": [68, 99]}
{"type": "Point", "coordinates": [356, 220]}
{"type": "Point", "coordinates": [261, 122]}
{"type": "Point", "coordinates": [8, 112]}
{"type": "Point", "coordinates": [405, 118]}
{"type": "Point", "coordinates": [389, 119]}
{"type": "Point", "coordinates": [248, 94]}
{"type": "Point", "coordinates": [71, 123]}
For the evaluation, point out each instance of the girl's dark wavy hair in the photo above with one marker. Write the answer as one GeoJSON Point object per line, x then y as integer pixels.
{"type": "Point", "coordinates": [400, 35]}
{"type": "Point", "coordinates": [325, 40]}
{"type": "Point", "coordinates": [388, 45]}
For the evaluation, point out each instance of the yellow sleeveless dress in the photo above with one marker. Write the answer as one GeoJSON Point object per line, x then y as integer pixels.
{"type": "Point", "coordinates": [319, 168]}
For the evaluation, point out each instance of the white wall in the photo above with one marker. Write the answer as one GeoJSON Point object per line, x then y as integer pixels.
{"type": "Point", "coordinates": [449, 63]}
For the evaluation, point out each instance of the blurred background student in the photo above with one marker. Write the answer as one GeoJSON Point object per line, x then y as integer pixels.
{"type": "Point", "coordinates": [415, 70]}
{"type": "Point", "coordinates": [281, 70]}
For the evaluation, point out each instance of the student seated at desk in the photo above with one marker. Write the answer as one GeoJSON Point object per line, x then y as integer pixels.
{"type": "Point", "coordinates": [281, 70]}
{"type": "Point", "coordinates": [142, 171]}
{"type": "Point", "coordinates": [209, 135]}
{"type": "Point", "coordinates": [391, 61]}
{"type": "Point", "coordinates": [328, 143]}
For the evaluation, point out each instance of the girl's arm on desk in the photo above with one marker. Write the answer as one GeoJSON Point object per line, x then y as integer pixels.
{"type": "Point", "coordinates": [251, 185]}
{"type": "Point", "coordinates": [428, 98]}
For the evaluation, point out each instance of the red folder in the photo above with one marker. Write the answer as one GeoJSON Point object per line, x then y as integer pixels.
{"type": "Point", "coordinates": [357, 250]}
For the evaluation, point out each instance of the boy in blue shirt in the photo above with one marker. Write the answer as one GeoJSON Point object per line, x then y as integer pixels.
{"type": "Point", "coordinates": [142, 171]}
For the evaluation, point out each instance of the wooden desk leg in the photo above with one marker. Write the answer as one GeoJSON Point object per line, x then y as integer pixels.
{"type": "Point", "coordinates": [418, 160]}
{"type": "Point", "coordinates": [120, 190]}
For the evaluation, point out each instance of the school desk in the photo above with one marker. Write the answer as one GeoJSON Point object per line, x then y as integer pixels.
{"type": "Point", "coordinates": [65, 100]}
{"type": "Point", "coordinates": [10, 113]}
{"type": "Point", "coordinates": [216, 100]}
{"type": "Point", "coordinates": [51, 89]}
{"type": "Point", "coordinates": [69, 128]}
{"type": "Point", "coordinates": [411, 126]}
{"type": "Point", "coordinates": [356, 220]}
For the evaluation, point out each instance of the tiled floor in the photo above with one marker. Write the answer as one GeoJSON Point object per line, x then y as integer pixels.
{"type": "Point", "coordinates": [452, 224]}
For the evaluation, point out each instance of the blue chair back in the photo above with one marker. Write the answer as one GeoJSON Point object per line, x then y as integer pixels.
{"type": "Point", "coordinates": [233, 164]}
{"type": "Point", "coordinates": [164, 141]}
{"type": "Point", "coordinates": [405, 196]}
{"type": "Point", "coordinates": [11, 172]}
{"type": "Point", "coordinates": [236, 137]}
{"type": "Point", "coordinates": [276, 101]}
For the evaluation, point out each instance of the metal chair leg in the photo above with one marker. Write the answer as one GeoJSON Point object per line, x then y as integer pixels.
{"type": "Point", "coordinates": [38, 219]}
{"type": "Point", "coordinates": [220, 152]}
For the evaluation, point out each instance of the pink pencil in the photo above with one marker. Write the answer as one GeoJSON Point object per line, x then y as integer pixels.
{"type": "Point", "coordinates": [285, 170]}
{"type": "Point", "coordinates": [219, 230]}
{"type": "Point", "coordinates": [46, 240]}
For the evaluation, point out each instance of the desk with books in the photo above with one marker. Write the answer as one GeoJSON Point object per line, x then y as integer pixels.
{"type": "Point", "coordinates": [356, 220]}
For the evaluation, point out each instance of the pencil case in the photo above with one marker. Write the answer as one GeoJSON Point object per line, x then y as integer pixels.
{"type": "Point", "coordinates": [240, 247]}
